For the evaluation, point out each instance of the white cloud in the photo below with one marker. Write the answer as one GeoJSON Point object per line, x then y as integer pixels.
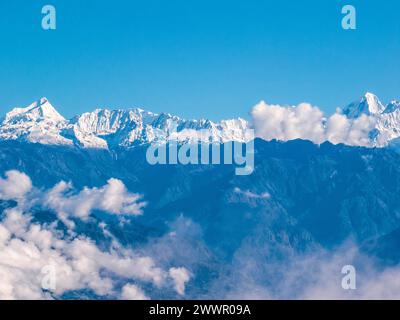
{"type": "Point", "coordinates": [353, 132]}
{"type": "Point", "coordinates": [309, 123]}
{"type": "Point", "coordinates": [112, 198]}
{"type": "Point", "coordinates": [180, 276]}
{"type": "Point", "coordinates": [27, 247]}
{"type": "Point", "coordinates": [132, 292]}
{"type": "Point", "coordinates": [252, 195]}
{"type": "Point", "coordinates": [288, 123]}
{"type": "Point", "coordinates": [15, 186]}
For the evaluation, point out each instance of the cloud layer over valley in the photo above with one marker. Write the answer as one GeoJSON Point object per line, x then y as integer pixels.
{"type": "Point", "coordinates": [32, 253]}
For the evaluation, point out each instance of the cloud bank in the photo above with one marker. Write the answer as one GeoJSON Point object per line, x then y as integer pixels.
{"type": "Point", "coordinates": [41, 261]}
{"type": "Point", "coordinates": [308, 122]}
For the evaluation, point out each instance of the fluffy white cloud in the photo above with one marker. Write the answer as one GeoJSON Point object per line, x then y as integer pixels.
{"type": "Point", "coordinates": [15, 186]}
{"type": "Point", "coordinates": [288, 123]}
{"type": "Point", "coordinates": [180, 276]}
{"type": "Point", "coordinates": [28, 250]}
{"type": "Point", "coordinates": [113, 198]}
{"type": "Point", "coordinates": [353, 132]}
{"type": "Point", "coordinates": [309, 123]}
{"type": "Point", "coordinates": [132, 292]}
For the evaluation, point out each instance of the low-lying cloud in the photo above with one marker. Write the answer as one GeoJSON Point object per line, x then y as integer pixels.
{"type": "Point", "coordinates": [165, 266]}
{"type": "Point", "coordinates": [15, 185]}
{"type": "Point", "coordinates": [251, 195]}
{"type": "Point", "coordinates": [31, 252]}
{"type": "Point", "coordinates": [113, 198]}
{"type": "Point", "coordinates": [305, 276]}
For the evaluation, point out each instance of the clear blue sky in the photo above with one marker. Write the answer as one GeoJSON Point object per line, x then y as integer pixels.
{"type": "Point", "coordinates": [203, 58]}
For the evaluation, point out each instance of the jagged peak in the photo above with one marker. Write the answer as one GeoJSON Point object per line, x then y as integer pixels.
{"type": "Point", "coordinates": [110, 111]}
{"type": "Point", "coordinates": [368, 104]}
{"type": "Point", "coordinates": [41, 109]}
{"type": "Point", "coordinates": [370, 95]}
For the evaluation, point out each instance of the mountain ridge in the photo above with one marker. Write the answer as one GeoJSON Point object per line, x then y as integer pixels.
{"type": "Point", "coordinates": [106, 128]}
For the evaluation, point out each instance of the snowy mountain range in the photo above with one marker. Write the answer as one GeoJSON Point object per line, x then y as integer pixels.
{"type": "Point", "coordinates": [41, 123]}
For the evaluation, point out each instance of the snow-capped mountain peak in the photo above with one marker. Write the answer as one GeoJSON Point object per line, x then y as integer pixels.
{"type": "Point", "coordinates": [38, 123]}
{"type": "Point", "coordinates": [368, 105]}
{"type": "Point", "coordinates": [37, 111]}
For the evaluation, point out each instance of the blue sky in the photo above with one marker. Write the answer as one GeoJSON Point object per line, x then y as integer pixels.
{"type": "Point", "coordinates": [203, 58]}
